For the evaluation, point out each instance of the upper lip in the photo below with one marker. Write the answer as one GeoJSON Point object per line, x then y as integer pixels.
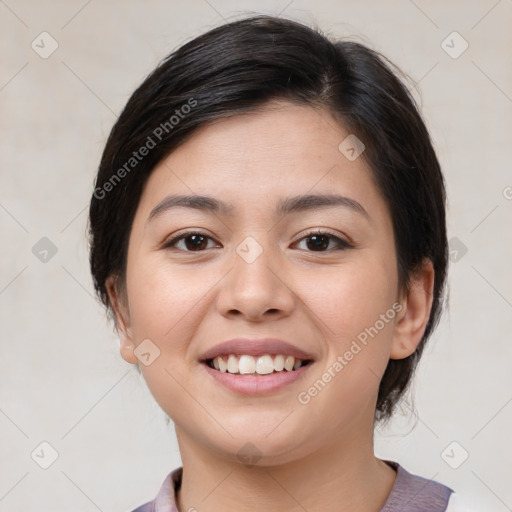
{"type": "Point", "coordinates": [255, 347]}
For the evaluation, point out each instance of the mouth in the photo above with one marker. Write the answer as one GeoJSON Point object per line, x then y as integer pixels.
{"type": "Point", "coordinates": [256, 376]}
{"type": "Point", "coordinates": [248, 365]}
{"type": "Point", "coordinates": [256, 367]}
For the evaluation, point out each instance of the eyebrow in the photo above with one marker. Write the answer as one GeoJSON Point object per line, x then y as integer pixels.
{"type": "Point", "coordinates": [284, 207]}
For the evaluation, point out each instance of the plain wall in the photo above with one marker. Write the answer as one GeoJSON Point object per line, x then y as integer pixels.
{"type": "Point", "coordinates": [62, 378]}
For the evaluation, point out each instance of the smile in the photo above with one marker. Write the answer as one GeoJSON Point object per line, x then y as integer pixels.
{"type": "Point", "coordinates": [249, 365]}
{"type": "Point", "coordinates": [256, 375]}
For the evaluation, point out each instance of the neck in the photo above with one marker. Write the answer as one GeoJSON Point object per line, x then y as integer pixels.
{"type": "Point", "coordinates": [340, 476]}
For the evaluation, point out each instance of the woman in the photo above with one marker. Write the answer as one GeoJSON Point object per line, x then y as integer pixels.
{"type": "Point", "coordinates": [268, 231]}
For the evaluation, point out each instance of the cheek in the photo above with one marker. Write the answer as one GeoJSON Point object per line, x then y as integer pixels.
{"type": "Point", "coordinates": [163, 298]}
{"type": "Point", "coordinates": [352, 297]}
{"type": "Point", "coordinates": [357, 320]}
{"type": "Point", "coordinates": [166, 307]}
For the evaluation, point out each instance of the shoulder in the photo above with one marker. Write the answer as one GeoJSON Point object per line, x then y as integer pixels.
{"type": "Point", "coordinates": [411, 489]}
{"type": "Point", "coordinates": [414, 492]}
{"type": "Point", "coordinates": [147, 507]}
{"type": "Point", "coordinates": [165, 500]}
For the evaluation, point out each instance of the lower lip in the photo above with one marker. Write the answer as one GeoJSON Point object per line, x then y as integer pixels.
{"type": "Point", "coordinates": [257, 385]}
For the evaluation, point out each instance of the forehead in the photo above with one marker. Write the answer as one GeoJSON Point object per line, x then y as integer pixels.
{"type": "Point", "coordinates": [261, 157]}
{"type": "Point", "coordinates": [276, 137]}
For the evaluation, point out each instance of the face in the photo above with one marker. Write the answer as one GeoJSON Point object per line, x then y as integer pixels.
{"type": "Point", "coordinates": [320, 275]}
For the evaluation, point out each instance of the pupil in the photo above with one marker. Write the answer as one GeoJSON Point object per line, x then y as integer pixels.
{"type": "Point", "coordinates": [197, 243]}
{"type": "Point", "coordinates": [318, 244]}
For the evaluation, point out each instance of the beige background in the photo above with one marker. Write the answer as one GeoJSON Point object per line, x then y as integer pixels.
{"type": "Point", "coordinates": [62, 379]}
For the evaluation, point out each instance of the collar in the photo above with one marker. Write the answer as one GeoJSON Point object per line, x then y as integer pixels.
{"type": "Point", "coordinates": [408, 491]}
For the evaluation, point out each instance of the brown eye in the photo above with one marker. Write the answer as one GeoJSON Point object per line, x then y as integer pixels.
{"type": "Point", "coordinates": [192, 242]}
{"type": "Point", "coordinates": [319, 241]}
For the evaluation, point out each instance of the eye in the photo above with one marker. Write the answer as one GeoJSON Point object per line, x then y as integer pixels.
{"type": "Point", "coordinates": [319, 240]}
{"type": "Point", "coordinates": [194, 241]}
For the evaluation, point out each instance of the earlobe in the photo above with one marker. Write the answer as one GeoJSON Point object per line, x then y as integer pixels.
{"type": "Point", "coordinates": [121, 315]}
{"type": "Point", "coordinates": [415, 313]}
{"type": "Point", "coordinates": [126, 350]}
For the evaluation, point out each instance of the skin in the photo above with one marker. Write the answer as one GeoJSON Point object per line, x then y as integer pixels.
{"type": "Point", "coordinates": [317, 456]}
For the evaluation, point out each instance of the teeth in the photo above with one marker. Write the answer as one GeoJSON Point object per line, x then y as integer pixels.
{"type": "Point", "coordinates": [278, 363]}
{"type": "Point", "coordinates": [262, 365]}
{"type": "Point", "coordinates": [232, 364]}
{"type": "Point", "coordinates": [246, 364]}
{"type": "Point", "coordinates": [223, 366]}
{"type": "Point", "coordinates": [288, 363]}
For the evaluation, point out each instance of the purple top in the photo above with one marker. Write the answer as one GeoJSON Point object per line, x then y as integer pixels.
{"type": "Point", "coordinates": [410, 493]}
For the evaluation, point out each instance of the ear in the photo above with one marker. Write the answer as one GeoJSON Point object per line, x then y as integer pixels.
{"type": "Point", "coordinates": [413, 317]}
{"type": "Point", "coordinates": [122, 318]}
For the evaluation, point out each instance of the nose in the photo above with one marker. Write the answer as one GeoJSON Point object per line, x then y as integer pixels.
{"type": "Point", "coordinates": [256, 290]}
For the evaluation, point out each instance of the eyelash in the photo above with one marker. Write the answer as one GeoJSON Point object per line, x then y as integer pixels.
{"type": "Point", "coordinates": [342, 244]}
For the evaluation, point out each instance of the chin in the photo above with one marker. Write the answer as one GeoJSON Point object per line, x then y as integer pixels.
{"type": "Point", "coordinates": [261, 450]}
